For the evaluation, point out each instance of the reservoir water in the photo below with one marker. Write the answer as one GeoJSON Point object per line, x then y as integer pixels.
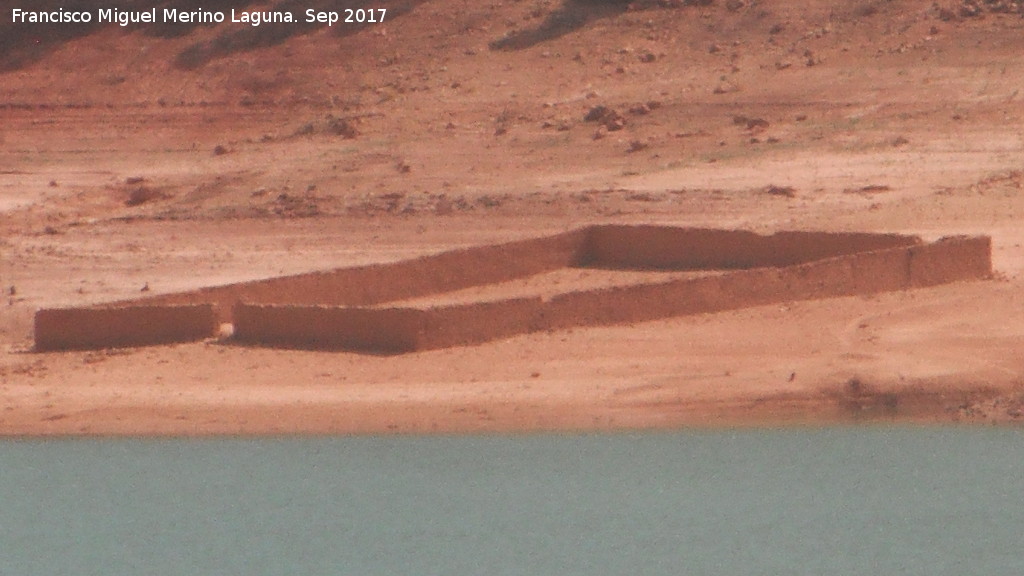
{"type": "Point", "coordinates": [832, 501]}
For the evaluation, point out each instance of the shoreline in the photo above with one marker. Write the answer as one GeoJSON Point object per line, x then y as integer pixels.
{"type": "Point", "coordinates": [970, 406]}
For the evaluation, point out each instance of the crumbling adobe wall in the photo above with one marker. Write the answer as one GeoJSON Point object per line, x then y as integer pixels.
{"type": "Point", "coordinates": [853, 274]}
{"type": "Point", "coordinates": [462, 325]}
{"type": "Point", "coordinates": [387, 330]}
{"type": "Point", "coordinates": [600, 246]}
{"type": "Point", "coordinates": [368, 285]}
{"type": "Point", "coordinates": [951, 259]}
{"type": "Point", "coordinates": [329, 309]}
{"type": "Point", "coordinates": [866, 273]}
{"type": "Point", "coordinates": [863, 273]}
{"type": "Point", "coordinates": [666, 247]}
{"type": "Point", "coordinates": [327, 327]}
{"type": "Point", "coordinates": [90, 328]}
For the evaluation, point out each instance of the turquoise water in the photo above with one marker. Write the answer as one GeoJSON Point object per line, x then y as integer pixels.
{"type": "Point", "coordinates": [872, 501]}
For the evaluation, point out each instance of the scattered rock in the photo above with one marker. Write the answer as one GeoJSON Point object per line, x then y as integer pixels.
{"type": "Point", "coordinates": [606, 117]}
{"type": "Point", "coordinates": [341, 127]}
{"type": "Point", "coordinates": [970, 9]}
{"type": "Point", "coordinates": [640, 110]}
{"type": "Point", "coordinates": [331, 126]}
{"type": "Point", "coordinates": [392, 200]}
{"type": "Point", "coordinates": [751, 124]}
{"type": "Point", "coordinates": [784, 191]}
{"type": "Point", "coordinates": [443, 206]}
{"type": "Point", "coordinates": [488, 201]}
{"type": "Point", "coordinates": [290, 206]}
{"type": "Point", "coordinates": [869, 189]}
{"type": "Point", "coordinates": [866, 10]}
{"type": "Point", "coordinates": [597, 113]}
{"type": "Point", "coordinates": [977, 8]}
{"type": "Point", "coordinates": [143, 194]}
{"type": "Point", "coordinates": [560, 124]}
{"type": "Point", "coordinates": [642, 197]}
{"type": "Point", "coordinates": [637, 146]}
{"type": "Point", "coordinates": [306, 129]}
{"type": "Point", "coordinates": [725, 88]}
{"type": "Point", "coordinates": [644, 109]}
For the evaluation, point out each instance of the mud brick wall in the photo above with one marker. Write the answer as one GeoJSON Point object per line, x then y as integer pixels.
{"type": "Point", "coordinates": [951, 259]}
{"type": "Point", "coordinates": [386, 330]}
{"type": "Point", "coordinates": [863, 273]}
{"type": "Point", "coordinates": [467, 324]}
{"type": "Point", "coordinates": [884, 270]}
{"type": "Point", "coordinates": [331, 309]}
{"type": "Point", "coordinates": [368, 285]}
{"type": "Point", "coordinates": [702, 249]}
{"type": "Point", "coordinates": [610, 246]}
{"type": "Point", "coordinates": [326, 327]}
{"type": "Point", "coordinates": [91, 328]}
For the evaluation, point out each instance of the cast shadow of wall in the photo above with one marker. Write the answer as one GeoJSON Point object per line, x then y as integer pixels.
{"type": "Point", "coordinates": [243, 38]}
{"type": "Point", "coordinates": [572, 16]}
{"type": "Point", "coordinates": [22, 44]}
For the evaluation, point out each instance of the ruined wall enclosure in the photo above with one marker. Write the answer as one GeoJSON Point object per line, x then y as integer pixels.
{"type": "Point", "coordinates": [89, 328]}
{"type": "Point", "coordinates": [349, 308]}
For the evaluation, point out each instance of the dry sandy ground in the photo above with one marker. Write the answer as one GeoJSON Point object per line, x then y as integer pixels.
{"type": "Point", "coordinates": [134, 158]}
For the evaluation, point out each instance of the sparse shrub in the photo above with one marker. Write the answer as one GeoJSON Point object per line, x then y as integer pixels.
{"type": "Point", "coordinates": [342, 127]}
{"type": "Point", "coordinates": [143, 194]}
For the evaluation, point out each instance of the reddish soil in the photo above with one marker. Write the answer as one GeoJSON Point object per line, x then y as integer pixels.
{"type": "Point", "coordinates": [563, 281]}
{"type": "Point", "coordinates": [166, 160]}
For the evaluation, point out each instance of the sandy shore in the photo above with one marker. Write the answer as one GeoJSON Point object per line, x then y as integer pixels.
{"type": "Point", "coordinates": [943, 354]}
